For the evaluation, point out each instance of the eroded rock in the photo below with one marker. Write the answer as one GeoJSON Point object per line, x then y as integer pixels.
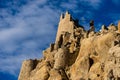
{"type": "Point", "coordinates": [77, 54]}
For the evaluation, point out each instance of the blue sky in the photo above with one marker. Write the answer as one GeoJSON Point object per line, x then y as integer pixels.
{"type": "Point", "coordinates": [27, 27]}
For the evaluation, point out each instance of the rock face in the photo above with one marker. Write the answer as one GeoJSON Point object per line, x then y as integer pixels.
{"type": "Point", "coordinates": [77, 54]}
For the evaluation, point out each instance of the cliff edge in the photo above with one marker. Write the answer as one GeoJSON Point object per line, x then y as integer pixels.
{"type": "Point", "coordinates": [77, 54]}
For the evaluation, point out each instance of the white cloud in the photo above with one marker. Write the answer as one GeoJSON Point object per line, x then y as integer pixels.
{"type": "Point", "coordinates": [24, 35]}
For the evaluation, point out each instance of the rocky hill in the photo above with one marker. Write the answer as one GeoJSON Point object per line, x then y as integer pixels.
{"type": "Point", "coordinates": [77, 54]}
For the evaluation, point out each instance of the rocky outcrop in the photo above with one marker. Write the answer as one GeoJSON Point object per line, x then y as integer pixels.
{"type": "Point", "coordinates": [77, 54]}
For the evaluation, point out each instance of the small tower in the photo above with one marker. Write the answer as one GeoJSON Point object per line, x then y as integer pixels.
{"type": "Point", "coordinates": [119, 26]}
{"type": "Point", "coordinates": [66, 24]}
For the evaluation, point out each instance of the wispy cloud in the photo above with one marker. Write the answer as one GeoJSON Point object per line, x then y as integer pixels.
{"type": "Point", "coordinates": [95, 4]}
{"type": "Point", "coordinates": [72, 4]}
{"type": "Point", "coordinates": [23, 35]}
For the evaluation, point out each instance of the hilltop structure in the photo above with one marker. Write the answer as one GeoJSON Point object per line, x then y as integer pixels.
{"type": "Point", "coordinates": [77, 54]}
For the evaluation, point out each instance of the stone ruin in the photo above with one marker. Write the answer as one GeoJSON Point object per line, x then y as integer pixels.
{"type": "Point", "coordinates": [77, 54]}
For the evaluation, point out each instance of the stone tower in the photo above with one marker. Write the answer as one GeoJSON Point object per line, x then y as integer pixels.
{"type": "Point", "coordinates": [65, 25]}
